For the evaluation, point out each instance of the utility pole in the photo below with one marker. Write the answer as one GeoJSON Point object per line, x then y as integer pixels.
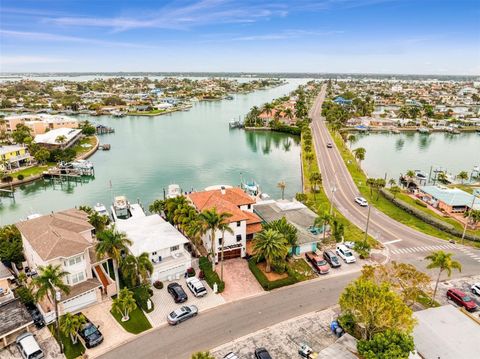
{"type": "Point", "coordinates": [334, 189]}
{"type": "Point", "coordinates": [468, 219]}
{"type": "Point", "coordinates": [57, 298]}
{"type": "Point", "coordinates": [368, 221]}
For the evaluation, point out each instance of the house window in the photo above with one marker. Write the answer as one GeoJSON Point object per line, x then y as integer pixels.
{"type": "Point", "coordinates": [249, 206]}
{"type": "Point", "coordinates": [174, 248]}
{"type": "Point", "coordinates": [220, 240]}
{"type": "Point", "coordinates": [77, 277]}
{"type": "Point", "coordinates": [239, 237]}
{"type": "Point", "coordinates": [75, 260]}
{"type": "Point", "coordinates": [238, 224]}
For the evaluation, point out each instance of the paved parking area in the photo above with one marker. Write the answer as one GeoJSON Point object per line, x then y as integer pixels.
{"type": "Point", "coordinates": [164, 303]}
{"type": "Point", "coordinates": [283, 340]}
{"type": "Point", "coordinates": [45, 340]}
{"type": "Point", "coordinates": [239, 281]}
{"type": "Point", "coordinates": [463, 284]}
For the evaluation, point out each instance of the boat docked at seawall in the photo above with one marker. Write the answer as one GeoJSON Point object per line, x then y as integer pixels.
{"type": "Point", "coordinates": [235, 124]}
{"type": "Point", "coordinates": [122, 209]}
{"type": "Point", "coordinates": [423, 130]}
{"type": "Point", "coordinates": [100, 209]}
{"type": "Point", "coordinates": [173, 191]}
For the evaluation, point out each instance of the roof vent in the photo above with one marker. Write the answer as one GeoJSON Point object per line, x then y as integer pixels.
{"type": "Point", "coordinates": [222, 190]}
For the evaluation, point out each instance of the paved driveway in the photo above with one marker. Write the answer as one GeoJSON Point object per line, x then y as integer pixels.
{"type": "Point", "coordinates": [239, 280]}
{"type": "Point", "coordinates": [164, 303]}
{"type": "Point", "coordinates": [46, 341]}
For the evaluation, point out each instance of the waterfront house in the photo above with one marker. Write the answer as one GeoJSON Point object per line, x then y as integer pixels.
{"type": "Point", "coordinates": [297, 214]}
{"type": "Point", "coordinates": [449, 200]}
{"type": "Point", "coordinates": [66, 238]}
{"type": "Point", "coordinates": [6, 276]}
{"type": "Point", "coordinates": [39, 123]}
{"type": "Point", "coordinates": [50, 139]}
{"type": "Point", "coordinates": [164, 244]}
{"type": "Point", "coordinates": [14, 156]}
{"type": "Point", "coordinates": [243, 222]}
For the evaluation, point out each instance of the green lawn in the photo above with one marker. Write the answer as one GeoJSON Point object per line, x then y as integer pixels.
{"type": "Point", "coordinates": [426, 301]}
{"type": "Point", "coordinates": [302, 269]}
{"type": "Point", "coordinates": [79, 149]}
{"type": "Point", "coordinates": [71, 351]}
{"type": "Point", "coordinates": [138, 321]}
{"type": "Point", "coordinates": [382, 203]}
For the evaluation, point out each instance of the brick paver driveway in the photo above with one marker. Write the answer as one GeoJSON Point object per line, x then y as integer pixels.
{"type": "Point", "coordinates": [239, 280]}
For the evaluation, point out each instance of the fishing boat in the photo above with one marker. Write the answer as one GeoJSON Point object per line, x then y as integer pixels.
{"type": "Point", "coordinates": [173, 191]}
{"type": "Point", "coordinates": [420, 175]}
{"type": "Point", "coordinates": [235, 124]}
{"type": "Point", "coordinates": [424, 130]}
{"type": "Point", "coordinates": [82, 165]}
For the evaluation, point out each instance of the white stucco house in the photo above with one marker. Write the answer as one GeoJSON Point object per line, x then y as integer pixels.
{"type": "Point", "coordinates": [164, 244]}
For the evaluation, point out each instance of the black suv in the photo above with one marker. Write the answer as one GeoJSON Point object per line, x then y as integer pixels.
{"type": "Point", "coordinates": [332, 259]}
{"type": "Point", "coordinates": [90, 334]}
{"type": "Point", "coordinates": [37, 317]}
{"type": "Point", "coordinates": [262, 353]}
{"type": "Point", "coordinates": [177, 292]}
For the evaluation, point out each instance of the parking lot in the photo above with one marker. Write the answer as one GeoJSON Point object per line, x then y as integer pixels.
{"type": "Point", "coordinates": [463, 284]}
{"type": "Point", "coordinates": [164, 303]}
{"type": "Point", "coordinates": [284, 339]}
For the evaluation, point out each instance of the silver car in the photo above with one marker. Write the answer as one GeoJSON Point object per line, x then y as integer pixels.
{"type": "Point", "coordinates": [181, 314]}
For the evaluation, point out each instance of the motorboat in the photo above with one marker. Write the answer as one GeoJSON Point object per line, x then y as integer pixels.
{"type": "Point", "coordinates": [420, 175]}
{"type": "Point", "coordinates": [82, 165]}
{"type": "Point", "coordinates": [424, 130]}
{"type": "Point", "coordinates": [173, 191]}
{"type": "Point", "coordinates": [100, 209]}
{"type": "Point", "coordinates": [120, 208]}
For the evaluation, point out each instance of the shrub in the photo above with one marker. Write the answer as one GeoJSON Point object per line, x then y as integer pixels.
{"type": "Point", "coordinates": [158, 284]}
{"type": "Point", "coordinates": [421, 203]}
{"type": "Point", "coordinates": [191, 272]}
{"type": "Point", "coordinates": [279, 266]}
{"type": "Point", "coordinates": [25, 295]}
{"type": "Point", "coordinates": [20, 177]}
{"type": "Point", "coordinates": [301, 197]}
{"type": "Point", "coordinates": [7, 179]}
{"type": "Point", "coordinates": [210, 276]}
{"type": "Point", "coordinates": [264, 282]}
{"type": "Point", "coordinates": [142, 296]}
{"type": "Point", "coordinates": [362, 248]}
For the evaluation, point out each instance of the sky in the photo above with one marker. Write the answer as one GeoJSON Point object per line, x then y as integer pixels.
{"type": "Point", "coordinates": [334, 36]}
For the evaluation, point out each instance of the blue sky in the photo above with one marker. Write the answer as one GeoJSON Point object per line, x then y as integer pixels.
{"type": "Point", "coordinates": [355, 36]}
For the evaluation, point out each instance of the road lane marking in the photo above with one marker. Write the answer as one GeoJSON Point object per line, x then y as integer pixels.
{"type": "Point", "coordinates": [394, 241]}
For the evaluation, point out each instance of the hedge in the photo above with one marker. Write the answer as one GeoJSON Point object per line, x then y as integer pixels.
{"type": "Point", "coordinates": [264, 282]}
{"type": "Point", "coordinates": [210, 276]}
{"type": "Point", "coordinates": [435, 222]}
{"type": "Point", "coordinates": [293, 130]}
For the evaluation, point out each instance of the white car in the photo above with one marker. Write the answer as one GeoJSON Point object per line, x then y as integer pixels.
{"type": "Point", "coordinates": [476, 288]}
{"type": "Point", "coordinates": [28, 346]}
{"type": "Point", "coordinates": [196, 287]}
{"type": "Point", "coordinates": [349, 244]}
{"type": "Point", "coordinates": [361, 201]}
{"type": "Point", "coordinates": [345, 253]}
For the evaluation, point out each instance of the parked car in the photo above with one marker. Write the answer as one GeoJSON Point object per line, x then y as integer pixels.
{"type": "Point", "coordinates": [28, 346]}
{"type": "Point", "coordinates": [320, 264]}
{"type": "Point", "coordinates": [361, 201]}
{"type": "Point", "coordinates": [230, 356]}
{"type": "Point", "coordinates": [90, 335]}
{"type": "Point", "coordinates": [476, 288]}
{"type": "Point", "coordinates": [329, 145]}
{"type": "Point", "coordinates": [462, 299]}
{"type": "Point", "coordinates": [177, 292]}
{"type": "Point", "coordinates": [345, 253]}
{"type": "Point", "coordinates": [331, 259]}
{"type": "Point", "coordinates": [37, 317]}
{"type": "Point", "coordinates": [196, 287]}
{"type": "Point", "coordinates": [349, 244]}
{"type": "Point", "coordinates": [181, 314]}
{"type": "Point", "coordinates": [262, 353]}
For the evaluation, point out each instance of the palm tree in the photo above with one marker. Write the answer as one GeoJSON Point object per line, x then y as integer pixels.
{"type": "Point", "coordinates": [315, 180]}
{"type": "Point", "coordinates": [359, 154]}
{"type": "Point", "coordinates": [61, 139]}
{"type": "Point", "coordinates": [410, 175]}
{"type": "Point", "coordinates": [124, 304]}
{"type": "Point", "coordinates": [70, 324]}
{"type": "Point", "coordinates": [268, 108]}
{"type": "Point", "coordinates": [395, 190]}
{"type": "Point", "coordinates": [463, 175]}
{"type": "Point", "coordinates": [444, 262]}
{"type": "Point", "coordinates": [97, 220]}
{"type": "Point", "coordinates": [442, 177]}
{"type": "Point", "coordinates": [202, 355]}
{"type": "Point", "coordinates": [112, 243]}
{"type": "Point", "coordinates": [270, 245]}
{"type": "Point", "coordinates": [282, 186]}
{"type": "Point", "coordinates": [392, 182]}
{"type": "Point", "coordinates": [137, 269]}
{"type": "Point", "coordinates": [157, 206]}
{"type": "Point", "coordinates": [211, 220]}
{"type": "Point", "coordinates": [49, 280]}
{"type": "Point", "coordinates": [351, 139]}
{"type": "Point", "coordinates": [286, 229]}
{"type": "Point", "coordinates": [309, 157]}
{"type": "Point", "coordinates": [288, 113]}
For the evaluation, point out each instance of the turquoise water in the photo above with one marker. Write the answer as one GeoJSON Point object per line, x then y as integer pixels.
{"type": "Point", "coordinates": [195, 149]}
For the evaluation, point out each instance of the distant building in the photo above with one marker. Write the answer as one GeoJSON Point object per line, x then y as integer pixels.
{"type": "Point", "coordinates": [342, 101]}
{"type": "Point", "coordinates": [50, 139]}
{"type": "Point", "coordinates": [14, 156]}
{"type": "Point", "coordinates": [39, 123]}
{"type": "Point", "coordinates": [450, 200]}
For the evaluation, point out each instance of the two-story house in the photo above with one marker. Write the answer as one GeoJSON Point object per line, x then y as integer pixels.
{"type": "Point", "coordinates": [164, 244]}
{"type": "Point", "coordinates": [243, 222]}
{"type": "Point", "coordinates": [66, 239]}
{"type": "Point", "coordinates": [14, 156]}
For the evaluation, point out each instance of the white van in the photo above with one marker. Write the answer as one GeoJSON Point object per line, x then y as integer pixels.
{"type": "Point", "coordinates": [28, 346]}
{"type": "Point", "coordinates": [196, 287]}
{"type": "Point", "coordinates": [345, 253]}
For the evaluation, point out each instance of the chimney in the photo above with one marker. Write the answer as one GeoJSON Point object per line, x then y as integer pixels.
{"type": "Point", "coordinates": [222, 190]}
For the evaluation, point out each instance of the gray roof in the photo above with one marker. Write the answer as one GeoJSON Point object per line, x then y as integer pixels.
{"type": "Point", "coordinates": [13, 315]}
{"type": "Point", "coordinates": [5, 272]}
{"type": "Point", "coordinates": [446, 332]}
{"type": "Point", "coordinates": [295, 213]}
{"type": "Point", "coordinates": [450, 196]}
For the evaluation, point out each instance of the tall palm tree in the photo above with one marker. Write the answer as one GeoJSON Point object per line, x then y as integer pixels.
{"type": "Point", "coordinates": [286, 229]}
{"type": "Point", "coordinates": [157, 206]}
{"type": "Point", "coordinates": [444, 262]}
{"type": "Point", "coordinates": [282, 185]}
{"type": "Point", "coordinates": [61, 139]}
{"type": "Point", "coordinates": [359, 153]}
{"type": "Point", "coordinates": [50, 279]}
{"type": "Point", "coordinates": [124, 304]}
{"type": "Point", "coordinates": [112, 243]}
{"type": "Point", "coordinates": [392, 182]}
{"type": "Point", "coordinates": [323, 220]}
{"type": "Point", "coordinates": [70, 324]}
{"type": "Point", "coordinates": [410, 175]}
{"type": "Point", "coordinates": [463, 175]}
{"type": "Point", "coordinates": [137, 269]}
{"type": "Point", "coordinates": [270, 245]}
{"type": "Point", "coordinates": [211, 220]}
{"type": "Point", "coordinates": [315, 180]}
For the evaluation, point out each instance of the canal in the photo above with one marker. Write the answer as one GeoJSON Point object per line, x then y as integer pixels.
{"type": "Point", "coordinates": [194, 149]}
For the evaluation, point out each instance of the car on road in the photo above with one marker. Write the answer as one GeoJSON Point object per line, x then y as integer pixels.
{"type": "Point", "coordinates": [345, 253]}
{"type": "Point", "coordinates": [28, 346]}
{"type": "Point", "coordinates": [262, 353]}
{"type": "Point", "coordinates": [361, 201]}
{"type": "Point", "coordinates": [476, 288]}
{"type": "Point", "coordinates": [230, 355]}
{"type": "Point", "coordinates": [177, 292]}
{"type": "Point", "coordinates": [318, 263]}
{"type": "Point", "coordinates": [329, 145]}
{"type": "Point", "coordinates": [331, 259]}
{"type": "Point", "coordinates": [196, 287]}
{"type": "Point", "coordinates": [181, 314]}
{"type": "Point", "coordinates": [462, 299]}
{"type": "Point", "coordinates": [90, 334]}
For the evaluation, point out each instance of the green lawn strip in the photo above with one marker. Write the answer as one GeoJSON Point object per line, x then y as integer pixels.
{"type": "Point", "coordinates": [426, 301]}
{"type": "Point", "coordinates": [302, 270]}
{"type": "Point", "coordinates": [79, 149]}
{"type": "Point", "coordinates": [71, 351]}
{"type": "Point", "coordinates": [382, 203]}
{"type": "Point", "coordinates": [137, 323]}
{"type": "Point", "coordinates": [31, 171]}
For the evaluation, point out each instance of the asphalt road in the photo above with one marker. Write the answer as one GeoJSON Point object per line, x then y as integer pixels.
{"type": "Point", "coordinates": [405, 243]}
{"type": "Point", "coordinates": [230, 321]}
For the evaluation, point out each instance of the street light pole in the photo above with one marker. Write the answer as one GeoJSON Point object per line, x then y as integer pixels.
{"type": "Point", "coordinates": [368, 221]}
{"type": "Point", "coordinates": [334, 189]}
{"type": "Point", "coordinates": [57, 298]}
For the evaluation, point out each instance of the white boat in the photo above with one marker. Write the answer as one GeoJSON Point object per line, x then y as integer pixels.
{"type": "Point", "coordinates": [173, 191]}
{"type": "Point", "coordinates": [120, 208]}
{"type": "Point", "coordinates": [252, 188]}
{"type": "Point", "coordinates": [420, 175]}
{"type": "Point", "coordinates": [82, 165]}
{"type": "Point", "coordinates": [100, 209]}
{"type": "Point", "coordinates": [423, 130]}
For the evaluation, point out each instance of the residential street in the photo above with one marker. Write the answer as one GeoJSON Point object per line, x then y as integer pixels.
{"type": "Point", "coordinates": [405, 243]}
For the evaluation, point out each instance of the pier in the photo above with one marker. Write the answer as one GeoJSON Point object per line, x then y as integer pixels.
{"type": "Point", "coordinates": [103, 130]}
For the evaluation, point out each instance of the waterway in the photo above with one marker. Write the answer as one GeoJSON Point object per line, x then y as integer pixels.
{"type": "Point", "coordinates": [195, 149]}
{"type": "Point", "coordinates": [392, 154]}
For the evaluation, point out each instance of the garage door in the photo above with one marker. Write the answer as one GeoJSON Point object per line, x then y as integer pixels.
{"type": "Point", "coordinates": [173, 272]}
{"type": "Point", "coordinates": [234, 253]}
{"type": "Point", "coordinates": [77, 303]}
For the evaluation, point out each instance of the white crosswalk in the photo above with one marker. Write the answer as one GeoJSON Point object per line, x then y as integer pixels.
{"type": "Point", "coordinates": [465, 250]}
{"type": "Point", "coordinates": [468, 252]}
